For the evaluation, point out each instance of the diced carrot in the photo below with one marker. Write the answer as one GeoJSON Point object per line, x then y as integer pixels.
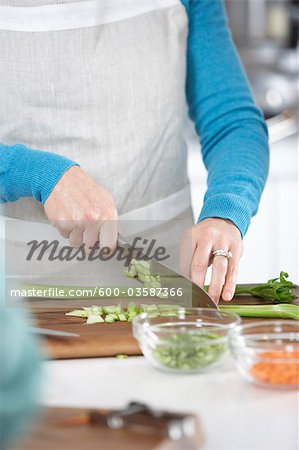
{"type": "Point", "coordinates": [277, 372]}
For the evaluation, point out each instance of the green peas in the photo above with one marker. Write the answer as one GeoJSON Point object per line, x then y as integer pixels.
{"type": "Point", "coordinates": [189, 351]}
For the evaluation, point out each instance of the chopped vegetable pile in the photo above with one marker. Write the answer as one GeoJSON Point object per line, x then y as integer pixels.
{"type": "Point", "coordinates": [189, 351]}
{"type": "Point", "coordinates": [141, 270]}
{"type": "Point", "coordinates": [286, 373]}
{"type": "Point", "coordinates": [112, 313]}
{"type": "Point", "coordinates": [277, 290]}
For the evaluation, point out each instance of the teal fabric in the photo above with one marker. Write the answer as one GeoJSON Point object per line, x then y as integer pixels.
{"type": "Point", "coordinates": [20, 370]}
{"type": "Point", "coordinates": [20, 376]}
{"type": "Point", "coordinates": [232, 130]}
{"type": "Point", "coordinates": [29, 173]}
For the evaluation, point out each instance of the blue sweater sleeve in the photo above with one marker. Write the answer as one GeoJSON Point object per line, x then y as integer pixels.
{"type": "Point", "coordinates": [25, 172]}
{"type": "Point", "coordinates": [232, 130]}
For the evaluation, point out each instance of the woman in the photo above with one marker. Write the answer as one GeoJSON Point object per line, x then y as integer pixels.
{"type": "Point", "coordinates": [99, 89]}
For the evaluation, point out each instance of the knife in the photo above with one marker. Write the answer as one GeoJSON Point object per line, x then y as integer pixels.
{"type": "Point", "coordinates": [193, 295]}
{"type": "Point", "coordinates": [55, 333]}
{"type": "Point", "coordinates": [139, 418]}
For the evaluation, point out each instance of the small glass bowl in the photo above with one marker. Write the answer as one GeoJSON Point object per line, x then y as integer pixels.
{"type": "Point", "coordinates": [267, 353]}
{"type": "Point", "coordinates": [184, 340]}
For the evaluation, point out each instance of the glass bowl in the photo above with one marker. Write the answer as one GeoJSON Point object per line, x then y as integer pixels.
{"type": "Point", "coordinates": [184, 340]}
{"type": "Point", "coordinates": [267, 353]}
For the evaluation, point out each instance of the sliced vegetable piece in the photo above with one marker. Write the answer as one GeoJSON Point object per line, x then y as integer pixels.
{"type": "Point", "coordinates": [141, 269]}
{"type": "Point", "coordinates": [122, 317]}
{"type": "Point", "coordinates": [109, 319]}
{"type": "Point", "coordinates": [110, 309]}
{"type": "Point", "coordinates": [94, 309]}
{"type": "Point", "coordinates": [94, 318]}
{"type": "Point", "coordinates": [149, 308]}
{"type": "Point", "coordinates": [167, 307]}
{"type": "Point", "coordinates": [132, 307]}
{"type": "Point", "coordinates": [119, 309]}
{"type": "Point", "coordinates": [77, 313]}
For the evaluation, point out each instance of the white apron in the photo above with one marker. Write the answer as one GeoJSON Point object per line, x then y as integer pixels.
{"type": "Point", "coordinates": [102, 83]}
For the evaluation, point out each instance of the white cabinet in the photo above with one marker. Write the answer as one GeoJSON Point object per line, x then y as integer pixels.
{"type": "Point", "coordinates": [271, 244]}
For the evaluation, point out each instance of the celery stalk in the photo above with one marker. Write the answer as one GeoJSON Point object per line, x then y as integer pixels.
{"type": "Point", "coordinates": [281, 311]}
{"type": "Point", "coordinates": [276, 290]}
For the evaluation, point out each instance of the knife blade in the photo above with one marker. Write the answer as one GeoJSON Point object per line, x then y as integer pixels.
{"type": "Point", "coordinates": [193, 295]}
{"type": "Point", "coordinates": [55, 333]}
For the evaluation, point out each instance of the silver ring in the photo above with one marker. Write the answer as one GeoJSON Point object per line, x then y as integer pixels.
{"type": "Point", "coordinates": [221, 252]}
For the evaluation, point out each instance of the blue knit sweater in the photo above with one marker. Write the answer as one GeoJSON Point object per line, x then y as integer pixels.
{"type": "Point", "coordinates": [232, 130]}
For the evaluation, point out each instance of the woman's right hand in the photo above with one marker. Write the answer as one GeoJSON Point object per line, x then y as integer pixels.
{"type": "Point", "coordinates": [82, 211]}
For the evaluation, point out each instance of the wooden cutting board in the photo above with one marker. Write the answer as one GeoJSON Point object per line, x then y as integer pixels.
{"type": "Point", "coordinates": [95, 340]}
{"type": "Point", "coordinates": [101, 339]}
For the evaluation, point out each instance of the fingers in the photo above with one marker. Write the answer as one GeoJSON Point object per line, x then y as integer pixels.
{"type": "Point", "coordinates": [225, 274]}
{"type": "Point", "coordinates": [231, 276]}
{"type": "Point", "coordinates": [186, 252]}
{"type": "Point", "coordinates": [103, 232]}
{"type": "Point", "coordinates": [79, 207]}
{"type": "Point", "coordinates": [200, 263]}
{"type": "Point", "coordinates": [194, 257]}
{"type": "Point", "coordinates": [91, 235]}
{"type": "Point", "coordinates": [230, 282]}
{"type": "Point", "coordinates": [65, 227]}
{"type": "Point", "coordinates": [108, 235]}
{"type": "Point", "coordinates": [76, 237]}
{"type": "Point", "coordinates": [207, 236]}
{"type": "Point", "coordinates": [219, 270]}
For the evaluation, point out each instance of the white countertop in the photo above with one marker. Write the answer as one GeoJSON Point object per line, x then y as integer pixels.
{"type": "Point", "coordinates": [235, 415]}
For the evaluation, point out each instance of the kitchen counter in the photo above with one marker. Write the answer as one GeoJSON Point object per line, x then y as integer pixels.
{"type": "Point", "coordinates": [235, 415]}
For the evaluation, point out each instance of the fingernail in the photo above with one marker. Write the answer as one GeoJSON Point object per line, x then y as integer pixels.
{"type": "Point", "coordinates": [227, 296]}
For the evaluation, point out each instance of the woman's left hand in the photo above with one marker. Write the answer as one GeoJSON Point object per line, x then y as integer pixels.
{"type": "Point", "coordinates": [208, 236]}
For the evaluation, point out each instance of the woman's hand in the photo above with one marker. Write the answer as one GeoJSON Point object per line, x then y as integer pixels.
{"type": "Point", "coordinates": [82, 211]}
{"type": "Point", "coordinates": [208, 236]}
